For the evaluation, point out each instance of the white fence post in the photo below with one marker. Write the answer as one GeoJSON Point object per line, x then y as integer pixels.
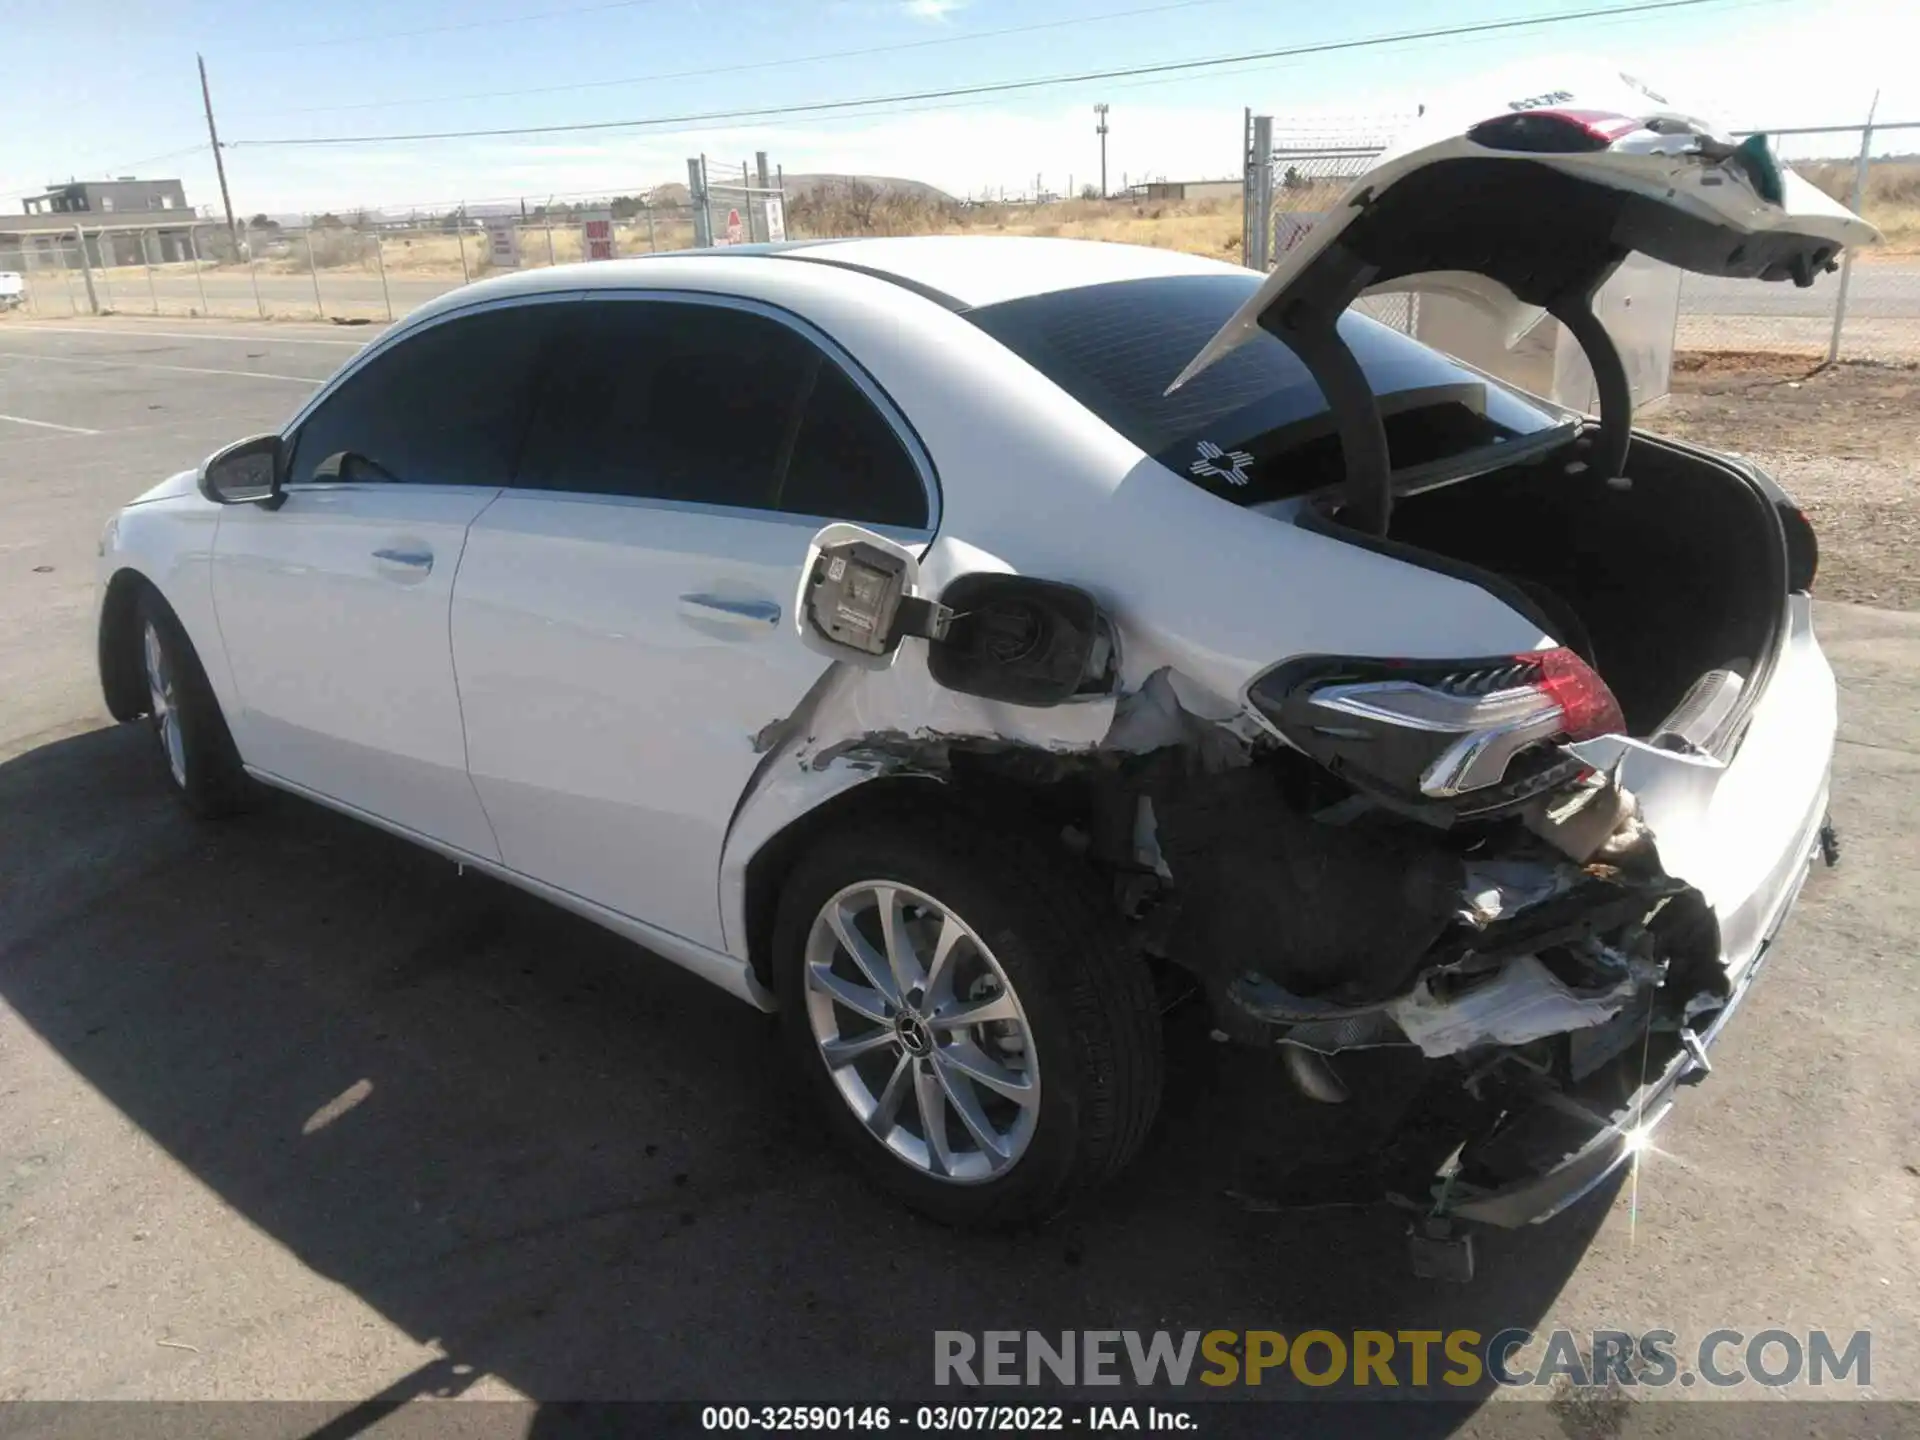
{"type": "Point", "coordinates": [380, 259]}
{"type": "Point", "coordinates": [199, 277]}
{"type": "Point", "coordinates": [146, 260]}
{"type": "Point", "coordinates": [313, 269]}
{"type": "Point", "coordinates": [107, 257]}
{"type": "Point", "coordinates": [697, 194]}
{"type": "Point", "coordinates": [86, 270]}
{"type": "Point", "coordinates": [1259, 193]}
{"type": "Point", "coordinates": [253, 274]}
{"type": "Point", "coordinates": [1846, 259]}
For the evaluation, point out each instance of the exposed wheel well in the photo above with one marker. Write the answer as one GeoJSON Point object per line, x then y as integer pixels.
{"type": "Point", "coordinates": [122, 680]}
{"type": "Point", "coordinates": [914, 794]}
{"type": "Point", "coordinates": [767, 871]}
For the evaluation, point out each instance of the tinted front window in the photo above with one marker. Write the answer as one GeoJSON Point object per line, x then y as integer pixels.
{"type": "Point", "coordinates": [687, 401]}
{"type": "Point", "coordinates": [1253, 426]}
{"type": "Point", "coordinates": [445, 406]}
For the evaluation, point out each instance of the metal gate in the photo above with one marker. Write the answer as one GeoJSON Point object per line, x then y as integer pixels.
{"type": "Point", "coordinates": [1293, 181]}
{"type": "Point", "coordinates": [725, 212]}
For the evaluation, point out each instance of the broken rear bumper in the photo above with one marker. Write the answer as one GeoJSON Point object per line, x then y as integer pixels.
{"type": "Point", "coordinates": [1615, 1138]}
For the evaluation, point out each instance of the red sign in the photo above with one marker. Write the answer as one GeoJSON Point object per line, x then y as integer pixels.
{"type": "Point", "coordinates": [596, 235]}
{"type": "Point", "coordinates": [733, 227]}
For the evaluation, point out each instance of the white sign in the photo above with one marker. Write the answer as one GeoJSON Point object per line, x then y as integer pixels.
{"type": "Point", "coordinates": [776, 218]}
{"type": "Point", "coordinates": [596, 235]}
{"type": "Point", "coordinates": [503, 242]}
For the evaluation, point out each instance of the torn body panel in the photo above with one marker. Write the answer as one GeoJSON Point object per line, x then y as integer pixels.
{"type": "Point", "coordinates": [1726, 826]}
{"type": "Point", "coordinates": [1544, 963]}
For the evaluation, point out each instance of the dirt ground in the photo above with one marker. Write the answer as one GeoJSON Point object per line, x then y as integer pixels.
{"type": "Point", "coordinates": [1843, 441]}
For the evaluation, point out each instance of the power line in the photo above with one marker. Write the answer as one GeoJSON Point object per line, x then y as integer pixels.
{"type": "Point", "coordinates": [760, 64]}
{"type": "Point", "coordinates": [998, 87]}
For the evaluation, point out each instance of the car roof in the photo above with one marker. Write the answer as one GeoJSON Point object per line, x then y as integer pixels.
{"type": "Point", "coordinates": [959, 272]}
{"type": "Point", "coordinates": [975, 270]}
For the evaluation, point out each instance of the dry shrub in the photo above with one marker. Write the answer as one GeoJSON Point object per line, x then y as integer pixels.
{"type": "Point", "coordinates": [855, 207]}
{"type": "Point", "coordinates": [332, 249]}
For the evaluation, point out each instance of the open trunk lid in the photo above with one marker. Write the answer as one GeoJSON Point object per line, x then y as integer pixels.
{"type": "Point", "coordinates": [1525, 199]}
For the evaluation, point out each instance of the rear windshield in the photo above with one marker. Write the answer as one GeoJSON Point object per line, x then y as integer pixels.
{"type": "Point", "coordinates": [1254, 426]}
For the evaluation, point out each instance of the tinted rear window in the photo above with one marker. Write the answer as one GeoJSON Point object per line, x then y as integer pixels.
{"type": "Point", "coordinates": [1253, 426]}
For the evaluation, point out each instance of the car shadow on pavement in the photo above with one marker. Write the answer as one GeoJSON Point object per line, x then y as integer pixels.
{"type": "Point", "coordinates": [582, 1170]}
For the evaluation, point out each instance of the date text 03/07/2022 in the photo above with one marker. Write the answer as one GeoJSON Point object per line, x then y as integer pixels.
{"type": "Point", "coordinates": [918, 1419]}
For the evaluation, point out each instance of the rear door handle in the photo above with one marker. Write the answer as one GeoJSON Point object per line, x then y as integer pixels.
{"type": "Point", "coordinates": [406, 559]}
{"type": "Point", "coordinates": [752, 613]}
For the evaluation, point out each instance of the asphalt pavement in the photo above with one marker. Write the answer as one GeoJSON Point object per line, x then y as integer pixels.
{"type": "Point", "coordinates": [290, 1109]}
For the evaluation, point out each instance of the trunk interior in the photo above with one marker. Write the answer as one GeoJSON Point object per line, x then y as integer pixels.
{"type": "Point", "coordinates": [1656, 584]}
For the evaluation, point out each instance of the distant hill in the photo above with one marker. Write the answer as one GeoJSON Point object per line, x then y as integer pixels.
{"type": "Point", "coordinates": [887, 185]}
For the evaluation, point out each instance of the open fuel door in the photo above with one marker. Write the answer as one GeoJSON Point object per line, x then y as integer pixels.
{"type": "Point", "coordinates": [1523, 198]}
{"type": "Point", "coordinates": [996, 635]}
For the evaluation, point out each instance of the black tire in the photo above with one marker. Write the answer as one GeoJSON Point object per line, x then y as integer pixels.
{"type": "Point", "coordinates": [1088, 1004]}
{"type": "Point", "coordinates": [209, 778]}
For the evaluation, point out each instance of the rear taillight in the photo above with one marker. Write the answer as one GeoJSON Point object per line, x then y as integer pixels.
{"type": "Point", "coordinates": [1475, 734]}
{"type": "Point", "coordinates": [1587, 706]}
{"type": "Point", "coordinates": [1553, 131]}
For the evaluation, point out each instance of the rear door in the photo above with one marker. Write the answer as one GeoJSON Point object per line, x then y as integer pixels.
{"type": "Point", "coordinates": [621, 626]}
{"type": "Point", "coordinates": [334, 607]}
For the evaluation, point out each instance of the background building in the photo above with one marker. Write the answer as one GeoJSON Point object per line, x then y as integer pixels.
{"type": "Point", "coordinates": [125, 221]}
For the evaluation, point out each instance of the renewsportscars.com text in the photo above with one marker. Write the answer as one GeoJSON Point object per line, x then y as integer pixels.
{"type": "Point", "coordinates": [1652, 1359]}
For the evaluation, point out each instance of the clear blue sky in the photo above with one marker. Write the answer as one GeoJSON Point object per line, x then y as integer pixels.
{"type": "Point", "coordinates": [99, 87]}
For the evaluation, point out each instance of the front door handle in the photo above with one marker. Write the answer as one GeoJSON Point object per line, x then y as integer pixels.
{"type": "Point", "coordinates": [755, 613]}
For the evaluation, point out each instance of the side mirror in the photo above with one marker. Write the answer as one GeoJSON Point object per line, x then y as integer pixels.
{"type": "Point", "coordinates": [243, 473]}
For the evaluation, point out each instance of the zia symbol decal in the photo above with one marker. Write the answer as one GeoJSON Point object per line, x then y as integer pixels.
{"type": "Point", "coordinates": [1210, 466]}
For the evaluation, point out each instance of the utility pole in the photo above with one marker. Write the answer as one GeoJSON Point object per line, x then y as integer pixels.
{"type": "Point", "coordinates": [219, 165]}
{"type": "Point", "coordinates": [1100, 129]}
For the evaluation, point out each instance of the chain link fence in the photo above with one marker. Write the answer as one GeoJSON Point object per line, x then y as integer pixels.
{"type": "Point", "coordinates": [1869, 311]}
{"type": "Point", "coordinates": [351, 269]}
{"type": "Point", "coordinates": [1296, 175]}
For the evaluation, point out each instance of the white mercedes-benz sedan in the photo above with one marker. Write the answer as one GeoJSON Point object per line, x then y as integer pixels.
{"type": "Point", "coordinates": [969, 646]}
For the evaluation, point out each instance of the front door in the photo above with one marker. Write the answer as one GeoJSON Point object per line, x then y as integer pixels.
{"type": "Point", "coordinates": [334, 607]}
{"type": "Point", "coordinates": [621, 626]}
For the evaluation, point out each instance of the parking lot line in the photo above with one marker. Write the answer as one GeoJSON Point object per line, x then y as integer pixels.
{"type": "Point", "coordinates": [149, 365]}
{"type": "Point", "coordinates": [48, 425]}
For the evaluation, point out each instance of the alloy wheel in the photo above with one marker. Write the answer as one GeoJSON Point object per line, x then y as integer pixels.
{"type": "Point", "coordinates": [166, 714]}
{"type": "Point", "coordinates": [921, 1032]}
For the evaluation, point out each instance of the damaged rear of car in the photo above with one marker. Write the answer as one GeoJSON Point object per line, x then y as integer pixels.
{"type": "Point", "coordinates": [1543, 844]}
